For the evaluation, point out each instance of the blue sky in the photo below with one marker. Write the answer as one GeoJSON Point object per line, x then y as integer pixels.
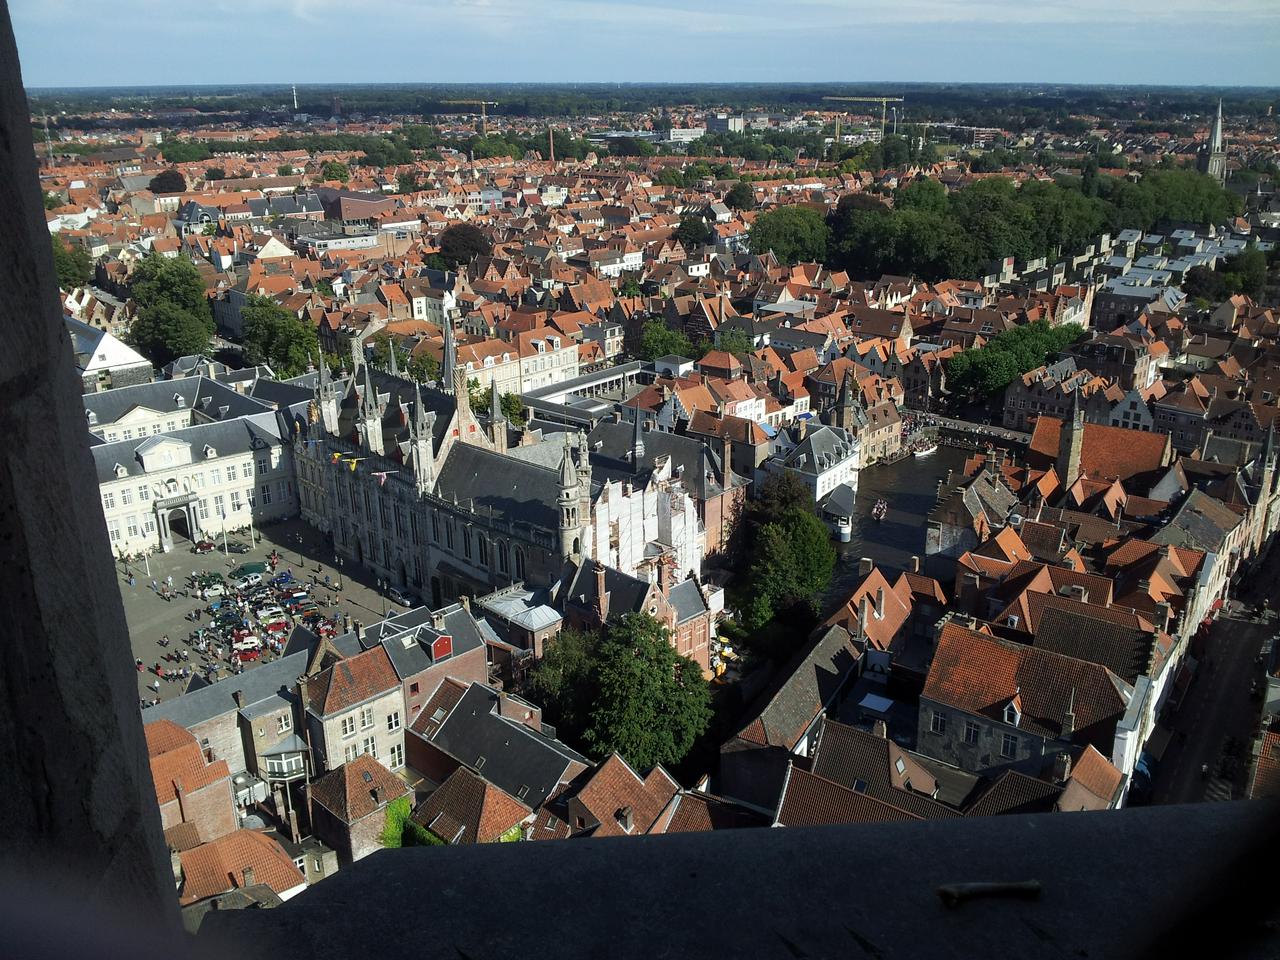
{"type": "Point", "coordinates": [121, 42]}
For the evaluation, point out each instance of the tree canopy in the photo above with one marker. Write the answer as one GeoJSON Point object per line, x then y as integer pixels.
{"type": "Point", "coordinates": [984, 372]}
{"type": "Point", "coordinates": [693, 232]}
{"type": "Point", "coordinates": [1245, 273]}
{"type": "Point", "coordinates": [786, 548]}
{"type": "Point", "coordinates": [463, 242]}
{"type": "Point", "coordinates": [335, 170]}
{"type": "Point", "coordinates": [215, 173]}
{"type": "Point", "coordinates": [659, 340]}
{"type": "Point", "coordinates": [651, 703]}
{"type": "Point", "coordinates": [275, 336]}
{"type": "Point", "coordinates": [174, 319]}
{"type": "Point", "coordinates": [71, 263]}
{"type": "Point", "coordinates": [740, 196]}
{"type": "Point", "coordinates": [168, 181]}
{"type": "Point", "coordinates": [796, 234]}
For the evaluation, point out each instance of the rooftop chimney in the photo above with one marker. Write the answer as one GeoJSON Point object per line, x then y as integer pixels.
{"type": "Point", "coordinates": [880, 729]}
{"type": "Point", "coordinates": [465, 600]}
{"type": "Point", "coordinates": [626, 819]}
{"type": "Point", "coordinates": [879, 603]}
{"type": "Point", "coordinates": [1062, 767]}
{"type": "Point", "coordinates": [863, 604]}
{"type": "Point", "coordinates": [602, 603]}
{"type": "Point", "coordinates": [864, 566]}
{"type": "Point", "coordinates": [248, 876]}
{"type": "Point", "coordinates": [914, 565]}
{"type": "Point", "coordinates": [239, 698]}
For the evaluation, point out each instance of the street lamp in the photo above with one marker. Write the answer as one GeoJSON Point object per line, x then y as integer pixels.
{"type": "Point", "coordinates": [338, 560]}
{"type": "Point", "coordinates": [301, 559]}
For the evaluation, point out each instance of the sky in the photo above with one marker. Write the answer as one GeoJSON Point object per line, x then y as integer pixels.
{"type": "Point", "coordinates": [136, 42]}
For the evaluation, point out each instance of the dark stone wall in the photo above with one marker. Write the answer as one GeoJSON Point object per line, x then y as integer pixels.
{"type": "Point", "coordinates": [79, 809]}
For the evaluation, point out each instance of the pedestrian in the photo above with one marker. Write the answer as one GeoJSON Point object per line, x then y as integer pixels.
{"type": "Point", "coordinates": [132, 580]}
{"type": "Point", "coordinates": [155, 685]}
{"type": "Point", "coordinates": [140, 665]}
{"type": "Point", "coordinates": [155, 587]}
{"type": "Point", "coordinates": [168, 581]}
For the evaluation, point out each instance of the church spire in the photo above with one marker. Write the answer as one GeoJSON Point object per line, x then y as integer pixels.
{"type": "Point", "coordinates": [637, 440]}
{"type": "Point", "coordinates": [450, 358]}
{"type": "Point", "coordinates": [1215, 141]}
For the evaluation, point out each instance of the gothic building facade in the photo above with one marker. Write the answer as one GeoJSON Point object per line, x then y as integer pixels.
{"type": "Point", "coordinates": [412, 483]}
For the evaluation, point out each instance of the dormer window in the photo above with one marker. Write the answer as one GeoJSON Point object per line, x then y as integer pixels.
{"type": "Point", "coordinates": [209, 452]}
{"type": "Point", "coordinates": [121, 470]}
{"type": "Point", "coordinates": [91, 416]}
{"type": "Point", "coordinates": [179, 400]}
{"type": "Point", "coordinates": [1012, 715]}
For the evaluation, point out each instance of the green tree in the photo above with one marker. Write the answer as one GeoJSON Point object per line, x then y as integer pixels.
{"type": "Point", "coordinates": [284, 170]}
{"type": "Point", "coordinates": [511, 404]}
{"type": "Point", "coordinates": [275, 336]}
{"type": "Point", "coordinates": [71, 263]}
{"type": "Point", "coordinates": [670, 177]}
{"type": "Point", "coordinates": [406, 182]}
{"type": "Point", "coordinates": [424, 367]}
{"type": "Point", "coordinates": [693, 232]}
{"type": "Point", "coordinates": [794, 233]}
{"type": "Point", "coordinates": [792, 561]}
{"type": "Point", "coordinates": [564, 681]}
{"type": "Point", "coordinates": [463, 242]}
{"type": "Point", "coordinates": [335, 170]}
{"type": "Point", "coordinates": [734, 340]}
{"type": "Point", "coordinates": [215, 173]}
{"type": "Point", "coordinates": [651, 703]}
{"type": "Point", "coordinates": [924, 194]}
{"type": "Point", "coordinates": [659, 340]}
{"type": "Point", "coordinates": [168, 181]}
{"type": "Point", "coordinates": [174, 319]}
{"type": "Point", "coordinates": [630, 288]}
{"type": "Point", "coordinates": [740, 196]}
{"type": "Point", "coordinates": [51, 200]}
{"type": "Point", "coordinates": [325, 288]}
{"type": "Point", "coordinates": [382, 347]}
{"type": "Point", "coordinates": [980, 373]}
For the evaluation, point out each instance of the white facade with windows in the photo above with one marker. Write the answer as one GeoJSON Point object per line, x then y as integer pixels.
{"type": "Point", "coordinates": [169, 474]}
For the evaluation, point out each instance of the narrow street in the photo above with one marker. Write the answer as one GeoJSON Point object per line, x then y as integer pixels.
{"type": "Point", "coordinates": [1218, 716]}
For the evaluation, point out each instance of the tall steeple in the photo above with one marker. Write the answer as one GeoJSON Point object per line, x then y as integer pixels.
{"type": "Point", "coordinates": [421, 444]}
{"type": "Point", "coordinates": [1215, 140]}
{"type": "Point", "coordinates": [371, 415]}
{"type": "Point", "coordinates": [637, 440]}
{"type": "Point", "coordinates": [1071, 443]}
{"type": "Point", "coordinates": [1213, 157]}
{"type": "Point", "coordinates": [567, 501]}
{"type": "Point", "coordinates": [497, 420]}
{"type": "Point", "coordinates": [391, 351]}
{"type": "Point", "coordinates": [449, 362]}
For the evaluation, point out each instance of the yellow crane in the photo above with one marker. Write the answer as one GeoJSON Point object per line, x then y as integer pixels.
{"type": "Point", "coordinates": [884, 109]}
{"type": "Point", "coordinates": [482, 104]}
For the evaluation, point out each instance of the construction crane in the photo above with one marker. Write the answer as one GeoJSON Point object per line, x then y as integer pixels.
{"type": "Point", "coordinates": [482, 104]}
{"type": "Point", "coordinates": [884, 108]}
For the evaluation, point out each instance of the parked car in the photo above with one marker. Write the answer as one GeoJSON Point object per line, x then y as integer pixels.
{"type": "Point", "coordinates": [244, 655]}
{"type": "Point", "coordinates": [203, 546]}
{"type": "Point", "coordinates": [270, 612]}
{"type": "Point", "coordinates": [238, 546]}
{"type": "Point", "coordinates": [397, 596]}
{"type": "Point", "coordinates": [246, 642]}
{"type": "Point", "coordinates": [280, 627]}
{"type": "Point", "coordinates": [213, 590]}
{"type": "Point", "coordinates": [247, 581]}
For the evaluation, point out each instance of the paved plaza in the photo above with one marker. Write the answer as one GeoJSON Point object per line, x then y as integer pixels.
{"type": "Point", "coordinates": [302, 550]}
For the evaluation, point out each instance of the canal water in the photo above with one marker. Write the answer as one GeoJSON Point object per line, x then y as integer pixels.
{"type": "Point", "coordinates": [910, 487]}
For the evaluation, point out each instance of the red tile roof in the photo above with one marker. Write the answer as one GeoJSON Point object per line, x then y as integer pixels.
{"type": "Point", "coordinates": [357, 789]}
{"type": "Point", "coordinates": [466, 808]}
{"type": "Point", "coordinates": [1106, 452]}
{"type": "Point", "coordinates": [219, 866]}
{"type": "Point", "coordinates": [176, 760]}
{"type": "Point", "coordinates": [352, 681]}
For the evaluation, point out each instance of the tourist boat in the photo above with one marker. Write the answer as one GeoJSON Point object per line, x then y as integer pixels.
{"type": "Point", "coordinates": [879, 510]}
{"type": "Point", "coordinates": [926, 448]}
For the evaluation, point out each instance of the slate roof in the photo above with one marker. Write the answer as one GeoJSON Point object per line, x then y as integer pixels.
{"type": "Point", "coordinates": [1201, 523]}
{"type": "Point", "coordinates": [357, 789]}
{"type": "Point", "coordinates": [507, 753]}
{"type": "Point", "coordinates": [275, 681]}
{"type": "Point", "coordinates": [198, 393]}
{"type": "Point", "coordinates": [501, 486]}
{"type": "Point", "coordinates": [468, 809]}
{"type": "Point", "coordinates": [808, 683]}
{"type": "Point", "coordinates": [612, 461]}
{"type": "Point", "coordinates": [821, 450]}
{"type": "Point", "coordinates": [980, 674]}
{"type": "Point", "coordinates": [243, 435]}
{"type": "Point", "coordinates": [625, 593]}
{"type": "Point", "coordinates": [686, 599]}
